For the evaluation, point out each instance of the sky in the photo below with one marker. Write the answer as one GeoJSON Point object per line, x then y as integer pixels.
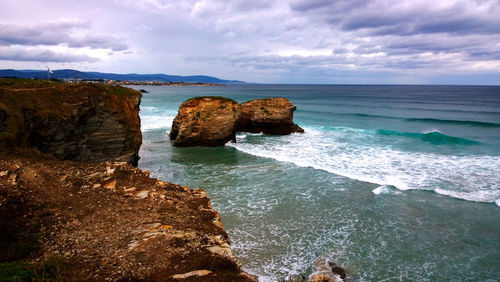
{"type": "Point", "coordinates": [262, 41]}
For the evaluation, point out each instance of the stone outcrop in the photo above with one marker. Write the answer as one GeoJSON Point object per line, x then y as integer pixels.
{"type": "Point", "coordinates": [107, 221]}
{"type": "Point", "coordinates": [84, 121]}
{"type": "Point", "coordinates": [269, 116]}
{"type": "Point", "coordinates": [213, 121]}
{"type": "Point", "coordinates": [205, 121]}
{"type": "Point", "coordinates": [324, 271]}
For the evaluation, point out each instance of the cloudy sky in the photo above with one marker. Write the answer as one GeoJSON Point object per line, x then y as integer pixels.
{"type": "Point", "coordinates": [289, 41]}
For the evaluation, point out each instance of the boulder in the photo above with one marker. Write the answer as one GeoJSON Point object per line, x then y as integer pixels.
{"type": "Point", "coordinates": [71, 121]}
{"type": "Point", "coordinates": [270, 116]}
{"type": "Point", "coordinates": [205, 121]}
{"type": "Point", "coordinates": [324, 271]}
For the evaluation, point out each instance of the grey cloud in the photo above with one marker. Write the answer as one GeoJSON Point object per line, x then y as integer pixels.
{"type": "Point", "coordinates": [99, 41]}
{"type": "Point", "coordinates": [306, 5]}
{"type": "Point", "coordinates": [382, 18]}
{"type": "Point", "coordinates": [53, 34]}
{"type": "Point", "coordinates": [21, 54]}
{"type": "Point", "coordinates": [336, 6]}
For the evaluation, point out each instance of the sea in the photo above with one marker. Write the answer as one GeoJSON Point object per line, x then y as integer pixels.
{"type": "Point", "coordinates": [391, 182]}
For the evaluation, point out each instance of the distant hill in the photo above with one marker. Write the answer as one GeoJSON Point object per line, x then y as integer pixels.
{"type": "Point", "coordinates": [75, 74]}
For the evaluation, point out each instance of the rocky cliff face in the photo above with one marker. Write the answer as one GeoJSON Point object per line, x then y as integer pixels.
{"type": "Point", "coordinates": [85, 122]}
{"type": "Point", "coordinates": [270, 116]}
{"type": "Point", "coordinates": [205, 121]}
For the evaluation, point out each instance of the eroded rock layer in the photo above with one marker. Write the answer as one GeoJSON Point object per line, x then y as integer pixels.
{"type": "Point", "coordinates": [270, 116]}
{"type": "Point", "coordinates": [205, 121]}
{"type": "Point", "coordinates": [83, 121]}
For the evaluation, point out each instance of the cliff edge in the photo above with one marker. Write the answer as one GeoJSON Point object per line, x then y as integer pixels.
{"type": "Point", "coordinates": [68, 220]}
{"type": "Point", "coordinates": [81, 121]}
{"type": "Point", "coordinates": [72, 207]}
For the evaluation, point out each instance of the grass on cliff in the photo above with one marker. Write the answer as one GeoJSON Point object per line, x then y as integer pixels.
{"type": "Point", "coordinates": [60, 87]}
{"type": "Point", "coordinates": [223, 99]}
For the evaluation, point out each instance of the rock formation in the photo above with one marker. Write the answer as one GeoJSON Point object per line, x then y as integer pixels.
{"type": "Point", "coordinates": [205, 121]}
{"type": "Point", "coordinates": [270, 116]}
{"type": "Point", "coordinates": [84, 121]}
{"type": "Point", "coordinates": [324, 271]}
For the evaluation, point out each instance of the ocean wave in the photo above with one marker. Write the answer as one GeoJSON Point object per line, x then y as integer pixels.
{"type": "Point", "coordinates": [384, 189]}
{"type": "Point", "coordinates": [155, 122]}
{"type": "Point", "coordinates": [423, 120]}
{"type": "Point", "coordinates": [453, 121]}
{"type": "Point", "coordinates": [346, 152]}
{"type": "Point", "coordinates": [434, 137]}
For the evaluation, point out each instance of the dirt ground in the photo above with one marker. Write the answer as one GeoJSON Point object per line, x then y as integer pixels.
{"type": "Point", "coordinates": [108, 221]}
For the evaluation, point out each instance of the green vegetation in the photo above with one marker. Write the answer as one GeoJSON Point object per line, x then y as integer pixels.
{"type": "Point", "coordinates": [60, 87]}
{"type": "Point", "coordinates": [16, 271]}
{"type": "Point", "coordinates": [224, 99]}
{"type": "Point", "coordinates": [55, 268]}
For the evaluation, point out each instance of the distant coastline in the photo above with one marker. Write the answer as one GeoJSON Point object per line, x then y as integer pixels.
{"type": "Point", "coordinates": [160, 83]}
{"type": "Point", "coordinates": [71, 75]}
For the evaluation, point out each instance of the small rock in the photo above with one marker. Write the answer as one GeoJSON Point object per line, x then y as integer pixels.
{"type": "Point", "coordinates": [322, 272]}
{"type": "Point", "coordinates": [160, 183]}
{"type": "Point", "coordinates": [196, 273]}
{"type": "Point", "coordinates": [13, 179]}
{"type": "Point", "coordinates": [337, 269]}
{"type": "Point", "coordinates": [97, 185]}
{"type": "Point", "coordinates": [142, 194]}
{"type": "Point", "coordinates": [93, 175]}
{"type": "Point", "coordinates": [128, 190]}
{"type": "Point", "coordinates": [224, 251]}
{"type": "Point", "coordinates": [110, 185]}
{"type": "Point", "coordinates": [4, 173]}
{"type": "Point", "coordinates": [110, 171]}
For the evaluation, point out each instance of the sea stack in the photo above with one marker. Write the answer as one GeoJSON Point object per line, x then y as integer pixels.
{"type": "Point", "coordinates": [205, 121]}
{"type": "Point", "coordinates": [270, 116]}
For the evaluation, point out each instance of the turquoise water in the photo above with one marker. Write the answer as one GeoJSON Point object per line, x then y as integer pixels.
{"type": "Point", "coordinates": [394, 183]}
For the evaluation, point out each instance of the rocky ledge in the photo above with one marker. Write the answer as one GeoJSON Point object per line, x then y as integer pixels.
{"type": "Point", "coordinates": [81, 121]}
{"type": "Point", "coordinates": [213, 121]}
{"type": "Point", "coordinates": [106, 221]}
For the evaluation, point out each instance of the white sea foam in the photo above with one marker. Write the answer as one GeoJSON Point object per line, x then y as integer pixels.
{"type": "Point", "coordinates": [384, 189]}
{"type": "Point", "coordinates": [497, 202]}
{"type": "Point", "coordinates": [154, 122]}
{"type": "Point", "coordinates": [348, 153]}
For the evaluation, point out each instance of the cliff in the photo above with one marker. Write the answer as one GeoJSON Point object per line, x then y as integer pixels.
{"type": "Point", "coordinates": [73, 208]}
{"type": "Point", "coordinates": [84, 121]}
